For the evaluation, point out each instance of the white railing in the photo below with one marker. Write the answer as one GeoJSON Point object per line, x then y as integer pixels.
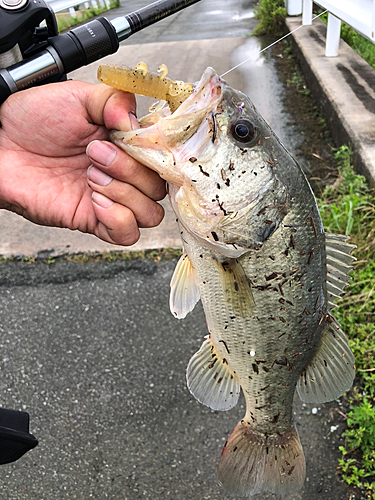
{"type": "Point", "coordinates": [61, 5]}
{"type": "Point", "coordinates": [359, 14]}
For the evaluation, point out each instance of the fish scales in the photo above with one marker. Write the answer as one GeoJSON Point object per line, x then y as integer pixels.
{"type": "Point", "coordinates": [280, 334]}
{"type": "Point", "coordinates": [256, 254]}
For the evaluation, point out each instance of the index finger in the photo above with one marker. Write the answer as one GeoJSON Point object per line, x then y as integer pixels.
{"type": "Point", "coordinates": [119, 165]}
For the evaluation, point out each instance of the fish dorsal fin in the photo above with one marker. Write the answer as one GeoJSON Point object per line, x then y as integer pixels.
{"type": "Point", "coordinates": [210, 380]}
{"type": "Point", "coordinates": [338, 265]}
{"type": "Point", "coordinates": [237, 288]}
{"type": "Point", "coordinates": [184, 289]}
{"type": "Point", "coordinates": [331, 371]}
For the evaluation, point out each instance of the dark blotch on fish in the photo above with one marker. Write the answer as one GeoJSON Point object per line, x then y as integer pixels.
{"type": "Point", "coordinates": [275, 418]}
{"type": "Point", "coordinates": [271, 276]}
{"type": "Point", "coordinates": [203, 172]}
{"type": "Point", "coordinates": [283, 362]}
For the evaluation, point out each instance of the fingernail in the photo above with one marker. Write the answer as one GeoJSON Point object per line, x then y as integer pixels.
{"type": "Point", "coordinates": [133, 120]}
{"type": "Point", "coordinates": [99, 177]}
{"type": "Point", "coordinates": [101, 200]}
{"type": "Point", "coordinates": [100, 152]}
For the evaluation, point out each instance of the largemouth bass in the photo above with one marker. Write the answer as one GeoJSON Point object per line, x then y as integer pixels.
{"type": "Point", "coordinates": [256, 254]}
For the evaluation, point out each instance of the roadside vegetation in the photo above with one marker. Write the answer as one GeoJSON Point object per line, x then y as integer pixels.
{"type": "Point", "coordinates": [271, 15]}
{"type": "Point", "coordinates": [82, 258]}
{"type": "Point", "coordinates": [66, 21]}
{"type": "Point", "coordinates": [357, 42]}
{"type": "Point", "coordinates": [348, 207]}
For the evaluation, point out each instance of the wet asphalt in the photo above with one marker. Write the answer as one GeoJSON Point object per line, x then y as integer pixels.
{"type": "Point", "coordinates": [207, 19]}
{"type": "Point", "coordinates": [93, 353]}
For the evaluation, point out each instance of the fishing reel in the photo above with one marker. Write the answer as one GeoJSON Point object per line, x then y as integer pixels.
{"type": "Point", "coordinates": [33, 54]}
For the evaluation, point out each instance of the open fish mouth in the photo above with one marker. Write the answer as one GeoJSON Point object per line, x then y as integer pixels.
{"type": "Point", "coordinates": [205, 96]}
{"type": "Point", "coordinates": [206, 92]}
{"type": "Point", "coordinates": [166, 139]}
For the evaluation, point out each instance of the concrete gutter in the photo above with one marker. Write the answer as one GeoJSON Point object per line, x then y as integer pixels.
{"type": "Point", "coordinates": [344, 87]}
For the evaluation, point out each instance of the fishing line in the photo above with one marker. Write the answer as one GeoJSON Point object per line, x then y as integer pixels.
{"type": "Point", "coordinates": [271, 45]}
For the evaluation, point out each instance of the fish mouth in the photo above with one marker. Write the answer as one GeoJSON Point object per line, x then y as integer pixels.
{"type": "Point", "coordinates": [173, 139]}
{"type": "Point", "coordinates": [206, 92]}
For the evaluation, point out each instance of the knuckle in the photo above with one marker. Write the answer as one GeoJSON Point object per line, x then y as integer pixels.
{"type": "Point", "coordinates": [156, 215]}
{"type": "Point", "coordinates": [127, 231]}
{"type": "Point", "coordinates": [159, 191]}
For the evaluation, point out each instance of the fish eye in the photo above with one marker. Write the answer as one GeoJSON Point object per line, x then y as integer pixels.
{"type": "Point", "coordinates": [243, 130]}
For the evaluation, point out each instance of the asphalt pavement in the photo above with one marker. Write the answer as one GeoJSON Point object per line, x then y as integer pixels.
{"type": "Point", "coordinates": [93, 353]}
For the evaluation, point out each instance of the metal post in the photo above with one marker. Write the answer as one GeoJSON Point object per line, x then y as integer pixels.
{"type": "Point", "coordinates": [307, 12]}
{"type": "Point", "coordinates": [333, 36]}
{"type": "Point", "coordinates": [72, 12]}
{"type": "Point", "coordinates": [294, 7]}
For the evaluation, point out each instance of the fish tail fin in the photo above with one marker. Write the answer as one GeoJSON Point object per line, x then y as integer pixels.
{"type": "Point", "coordinates": [253, 463]}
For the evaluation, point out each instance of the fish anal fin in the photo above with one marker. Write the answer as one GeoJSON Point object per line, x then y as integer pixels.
{"type": "Point", "coordinates": [331, 372]}
{"type": "Point", "coordinates": [210, 380]}
{"type": "Point", "coordinates": [236, 286]}
{"type": "Point", "coordinates": [339, 261]}
{"type": "Point", "coordinates": [184, 289]}
{"type": "Point", "coordinates": [252, 463]}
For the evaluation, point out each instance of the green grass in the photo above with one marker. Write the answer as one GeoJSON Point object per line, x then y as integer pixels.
{"type": "Point", "coordinates": [156, 255]}
{"type": "Point", "coordinates": [271, 15]}
{"type": "Point", "coordinates": [357, 42]}
{"type": "Point", "coordinates": [348, 207]}
{"type": "Point", "coordinates": [65, 21]}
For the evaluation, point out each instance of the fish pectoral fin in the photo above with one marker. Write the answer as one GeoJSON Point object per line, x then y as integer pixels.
{"type": "Point", "coordinates": [210, 380]}
{"type": "Point", "coordinates": [236, 286]}
{"type": "Point", "coordinates": [331, 372]}
{"type": "Point", "coordinates": [338, 265]}
{"type": "Point", "coordinates": [184, 289]}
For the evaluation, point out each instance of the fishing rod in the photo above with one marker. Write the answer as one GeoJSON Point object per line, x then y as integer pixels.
{"type": "Point", "coordinates": [31, 54]}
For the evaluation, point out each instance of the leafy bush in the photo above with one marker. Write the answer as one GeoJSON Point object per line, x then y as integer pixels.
{"type": "Point", "coordinates": [271, 14]}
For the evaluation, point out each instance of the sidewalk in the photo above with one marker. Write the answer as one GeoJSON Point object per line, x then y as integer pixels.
{"type": "Point", "coordinates": [344, 86]}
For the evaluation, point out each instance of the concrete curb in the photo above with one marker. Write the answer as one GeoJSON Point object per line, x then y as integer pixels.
{"type": "Point", "coordinates": [344, 87]}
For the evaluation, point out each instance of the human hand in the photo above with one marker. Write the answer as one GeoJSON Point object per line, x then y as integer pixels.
{"type": "Point", "coordinates": [46, 176]}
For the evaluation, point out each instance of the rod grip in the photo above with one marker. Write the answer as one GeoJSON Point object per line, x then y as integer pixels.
{"type": "Point", "coordinates": [85, 44]}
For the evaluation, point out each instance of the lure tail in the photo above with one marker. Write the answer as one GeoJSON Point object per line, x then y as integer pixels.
{"type": "Point", "coordinates": [253, 463]}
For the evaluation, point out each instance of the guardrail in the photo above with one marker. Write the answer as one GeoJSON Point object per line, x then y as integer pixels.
{"type": "Point", "coordinates": [61, 5]}
{"type": "Point", "coordinates": [359, 14]}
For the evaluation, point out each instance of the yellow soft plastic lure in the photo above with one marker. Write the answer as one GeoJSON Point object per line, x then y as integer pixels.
{"type": "Point", "coordinates": [142, 82]}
